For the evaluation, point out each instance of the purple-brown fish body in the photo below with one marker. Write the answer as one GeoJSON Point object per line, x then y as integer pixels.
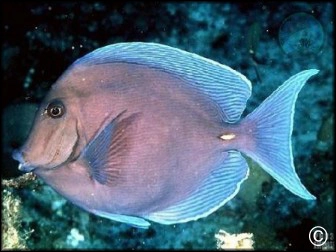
{"type": "Point", "coordinates": [137, 131]}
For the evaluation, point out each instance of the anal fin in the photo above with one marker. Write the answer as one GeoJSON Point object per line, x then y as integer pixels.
{"type": "Point", "coordinates": [130, 220]}
{"type": "Point", "coordinates": [217, 189]}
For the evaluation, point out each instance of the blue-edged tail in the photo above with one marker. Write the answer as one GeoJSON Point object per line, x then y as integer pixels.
{"type": "Point", "coordinates": [268, 132]}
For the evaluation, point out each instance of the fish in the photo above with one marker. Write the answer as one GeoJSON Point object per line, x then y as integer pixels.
{"type": "Point", "coordinates": [141, 132]}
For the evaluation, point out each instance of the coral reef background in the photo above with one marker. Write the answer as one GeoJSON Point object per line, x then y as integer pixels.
{"type": "Point", "coordinates": [39, 40]}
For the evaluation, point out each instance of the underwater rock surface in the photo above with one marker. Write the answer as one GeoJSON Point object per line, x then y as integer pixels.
{"type": "Point", "coordinates": [41, 40]}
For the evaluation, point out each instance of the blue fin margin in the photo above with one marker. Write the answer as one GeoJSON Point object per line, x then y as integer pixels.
{"type": "Point", "coordinates": [273, 121]}
{"type": "Point", "coordinates": [227, 87]}
{"type": "Point", "coordinates": [137, 222]}
{"type": "Point", "coordinates": [217, 189]}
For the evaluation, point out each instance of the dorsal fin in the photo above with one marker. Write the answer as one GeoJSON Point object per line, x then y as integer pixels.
{"type": "Point", "coordinates": [227, 87]}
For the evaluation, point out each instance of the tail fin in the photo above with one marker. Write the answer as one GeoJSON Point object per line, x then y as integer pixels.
{"type": "Point", "coordinates": [273, 124]}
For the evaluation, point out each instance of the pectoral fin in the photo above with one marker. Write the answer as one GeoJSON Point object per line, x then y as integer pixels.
{"type": "Point", "coordinates": [106, 153]}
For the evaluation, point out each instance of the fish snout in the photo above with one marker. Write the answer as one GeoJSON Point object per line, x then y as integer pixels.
{"type": "Point", "coordinates": [18, 155]}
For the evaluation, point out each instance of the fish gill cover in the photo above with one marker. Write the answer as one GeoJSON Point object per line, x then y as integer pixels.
{"type": "Point", "coordinates": [267, 43]}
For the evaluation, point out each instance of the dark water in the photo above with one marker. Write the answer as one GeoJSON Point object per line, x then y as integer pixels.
{"type": "Point", "coordinates": [262, 41]}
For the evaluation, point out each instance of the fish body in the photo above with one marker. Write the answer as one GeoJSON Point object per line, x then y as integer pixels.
{"type": "Point", "coordinates": [142, 131]}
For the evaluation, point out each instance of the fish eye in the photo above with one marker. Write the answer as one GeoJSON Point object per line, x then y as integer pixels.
{"type": "Point", "coordinates": [55, 109]}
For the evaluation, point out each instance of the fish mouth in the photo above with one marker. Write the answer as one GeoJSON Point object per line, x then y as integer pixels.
{"type": "Point", "coordinates": [26, 168]}
{"type": "Point", "coordinates": [23, 166]}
